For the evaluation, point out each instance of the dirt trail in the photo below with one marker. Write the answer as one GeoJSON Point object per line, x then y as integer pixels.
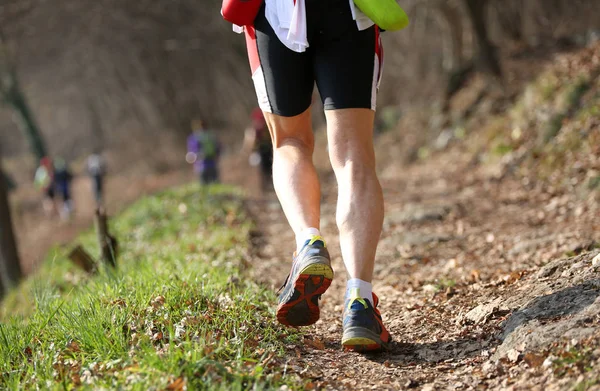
{"type": "Point", "coordinates": [475, 283]}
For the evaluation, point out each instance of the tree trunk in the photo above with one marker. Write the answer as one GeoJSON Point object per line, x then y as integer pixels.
{"type": "Point", "coordinates": [486, 58]}
{"type": "Point", "coordinates": [36, 142]}
{"type": "Point", "coordinates": [452, 18]}
{"type": "Point", "coordinates": [10, 268]}
{"type": "Point", "coordinates": [509, 15]}
{"type": "Point", "coordinates": [11, 94]}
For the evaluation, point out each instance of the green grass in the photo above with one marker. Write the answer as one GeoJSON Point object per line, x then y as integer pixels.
{"type": "Point", "coordinates": [175, 313]}
{"type": "Point", "coordinates": [445, 283]}
{"type": "Point", "coordinates": [574, 360]}
{"type": "Point", "coordinates": [572, 98]}
{"type": "Point", "coordinates": [585, 385]}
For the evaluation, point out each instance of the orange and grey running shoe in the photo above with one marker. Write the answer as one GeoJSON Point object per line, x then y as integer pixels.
{"type": "Point", "coordinates": [310, 277]}
{"type": "Point", "coordinates": [363, 327]}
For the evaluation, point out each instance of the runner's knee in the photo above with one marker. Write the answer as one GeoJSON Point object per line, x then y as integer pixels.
{"type": "Point", "coordinates": [295, 132]}
{"type": "Point", "coordinates": [350, 134]}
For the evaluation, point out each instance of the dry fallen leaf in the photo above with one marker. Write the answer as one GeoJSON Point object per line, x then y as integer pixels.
{"type": "Point", "coordinates": [534, 360]}
{"type": "Point", "coordinates": [512, 277]}
{"type": "Point", "coordinates": [76, 379]}
{"type": "Point", "coordinates": [316, 343]}
{"type": "Point", "coordinates": [158, 301]}
{"type": "Point", "coordinates": [73, 346]}
{"type": "Point", "coordinates": [158, 336]}
{"type": "Point", "coordinates": [177, 385]}
{"type": "Point", "coordinates": [268, 359]}
{"type": "Point", "coordinates": [118, 302]}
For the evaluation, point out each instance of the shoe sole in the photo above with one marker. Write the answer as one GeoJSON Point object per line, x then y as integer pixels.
{"type": "Point", "coordinates": [302, 309]}
{"type": "Point", "coordinates": [360, 339]}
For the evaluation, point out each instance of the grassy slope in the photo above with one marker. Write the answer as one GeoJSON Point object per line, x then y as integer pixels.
{"type": "Point", "coordinates": [551, 133]}
{"type": "Point", "coordinates": [175, 314]}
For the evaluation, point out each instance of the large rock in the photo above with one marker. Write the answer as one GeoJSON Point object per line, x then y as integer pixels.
{"type": "Point", "coordinates": [559, 303]}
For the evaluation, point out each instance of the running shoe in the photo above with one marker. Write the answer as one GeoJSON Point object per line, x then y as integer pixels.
{"type": "Point", "coordinates": [310, 277]}
{"type": "Point", "coordinates": [363, 327]}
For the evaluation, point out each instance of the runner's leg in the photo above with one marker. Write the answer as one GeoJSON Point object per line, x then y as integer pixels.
{"type": "Point", "coordinates": [360, 198]}
{"type": "Point", "coordinates": [284, 83]}
{"type": "Point", "coordinates": [294, 175]}
{"type": "Point", "coordinates": [347, 68]}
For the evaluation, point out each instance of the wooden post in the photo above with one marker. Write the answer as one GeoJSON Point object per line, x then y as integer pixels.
{"type": "Point", "coordinates": [108, 244]}
{"type": "Point", "coordinates": [83, 259]}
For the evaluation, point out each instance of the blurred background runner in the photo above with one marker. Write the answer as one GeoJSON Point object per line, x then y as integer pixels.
{"type": "Point", "coordinates": [97, 170]}
{"type": "Point", "coordinates": [62, 180]}
{"type": "Point", "coordinates": [257, 142]}
{"type": "Point", "coordinates": [204, 151]}
{"type": "Point", "coordinates": [44, 181]}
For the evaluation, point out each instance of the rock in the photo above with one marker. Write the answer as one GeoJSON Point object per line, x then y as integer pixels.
{"type": "Point", "coordinates": [482, 312]}
{"type": "Point", "coordinates": [596, 260]}
{"type": "Point", "coordinates": [418, 238]}
{"type": "Point", "coordinates": [530, 245]}
{"type": "Point", "coordinates": [418, 213]}
{"type": "Point", "coordinates": [428, 387]}
{"type": "Point", "coordinates": [548, 362]}
{"type": "Point", "coordinates": [551, 268]}
{"type": "Point", "coordinates": [513, 355]}
{"type": "Point", "coordinates": [543, 320]}
{"type": "Point", "coordinates": [413, 238]}
{"type": "Point", "coordinates": [489, 367]}
{"type": "Point", "coordinates": [442, 141]}
{"type": "Point", "coordinates": [430, 288]}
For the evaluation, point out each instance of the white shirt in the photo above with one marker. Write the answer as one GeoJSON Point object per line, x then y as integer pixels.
{"type": "Point", "coordinates": [288, 21]}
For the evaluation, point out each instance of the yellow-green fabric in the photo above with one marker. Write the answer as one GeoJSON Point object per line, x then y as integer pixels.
{"type": "Point", "coordinates": [387, 14]}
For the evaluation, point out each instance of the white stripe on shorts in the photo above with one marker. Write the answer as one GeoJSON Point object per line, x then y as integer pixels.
{"type": "Point", "coordinates": [375, 87]}
{"type": "Point", "coordinates": [261, 90]}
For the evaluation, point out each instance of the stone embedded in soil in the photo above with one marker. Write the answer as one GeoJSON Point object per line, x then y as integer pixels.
{"type": "Point", "coordinates": [483, 312]}
{"type": "Point", "coordinates": [530, 245]}
{"type": "Point", "coordinates": [413, 238]}
{"type": "Point", "coordinates": [417, 213]}
{"type": "Point", "coordinates": [596, 260]}
{"type": "Point", "coordinates": [562, 308]}
{"type": "Point", "coordinates": [513, 355]}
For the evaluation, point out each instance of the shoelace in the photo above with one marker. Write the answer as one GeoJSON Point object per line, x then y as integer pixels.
{"type": "Point", "coordinates": [284, 284]}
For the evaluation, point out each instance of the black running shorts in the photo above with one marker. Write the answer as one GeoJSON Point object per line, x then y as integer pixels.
{"type": "Point", "coordinates": [344, 62]}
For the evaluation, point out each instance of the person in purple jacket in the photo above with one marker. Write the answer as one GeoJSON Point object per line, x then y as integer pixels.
{"type": "Point", "coordinates": [204, 151]}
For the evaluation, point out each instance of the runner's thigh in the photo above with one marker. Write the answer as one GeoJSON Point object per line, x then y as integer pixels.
{"type": "Point", "coordinates": [283, 79]}
{"type": "Point", "coordinates": [346, 61]}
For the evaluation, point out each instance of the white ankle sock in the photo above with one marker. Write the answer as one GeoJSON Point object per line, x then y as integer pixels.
{"type": "Point", "coordinates": [304, 236]}
{"type": "Point", "coordinates": [365, 289]}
